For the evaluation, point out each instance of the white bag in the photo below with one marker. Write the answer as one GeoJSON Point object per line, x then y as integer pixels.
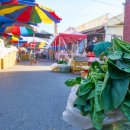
{"type": "Point", "coordinates": [73, 116]}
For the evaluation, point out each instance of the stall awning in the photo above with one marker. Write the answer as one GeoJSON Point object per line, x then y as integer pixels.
{"type": "Point", "coordinates": [68, 39]}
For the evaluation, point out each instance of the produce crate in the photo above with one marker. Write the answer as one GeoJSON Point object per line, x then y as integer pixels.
{"type": "Point", "coordinates": [77, 65]}
{"type": "Point", "coordinates": [25, 57]}
{"type": "Point", "coordinates": [0, 64]}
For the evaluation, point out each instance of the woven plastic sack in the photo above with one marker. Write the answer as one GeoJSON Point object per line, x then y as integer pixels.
{"type": "Point", "coordinates": [62, 68]}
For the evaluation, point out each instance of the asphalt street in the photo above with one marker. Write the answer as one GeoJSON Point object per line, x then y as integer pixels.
{"type": "Point", "coordinates": [33, 98]}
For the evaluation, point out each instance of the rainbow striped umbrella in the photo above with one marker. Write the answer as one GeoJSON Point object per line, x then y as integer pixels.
{"type": "Point", "coordinates": [29, 14]}
{"type": "Point", "coordinates": [40, 45]}
{"type": "Point", "coordinates": [4, 2]}
{"type": "Point", "coordinates": [8, 2]}
{"type": "Point", "coordinates": [13, 38]}
{"type": "Point", "coordinates": [17, 30]}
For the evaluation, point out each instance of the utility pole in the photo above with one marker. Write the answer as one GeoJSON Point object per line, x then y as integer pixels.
{"type": "Point", "coordinates": [126, 33]}
{"type": "Point", "coordinates": [55, 28]}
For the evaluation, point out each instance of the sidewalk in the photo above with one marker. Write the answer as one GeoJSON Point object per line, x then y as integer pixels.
{"type": "Point", "coordinates": [26, 66]}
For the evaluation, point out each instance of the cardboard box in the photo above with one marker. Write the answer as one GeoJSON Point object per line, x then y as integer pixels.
{"type": "Point", "coordinates": [77, 65]}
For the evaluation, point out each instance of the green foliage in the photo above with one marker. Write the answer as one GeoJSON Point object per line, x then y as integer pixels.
{"type": "Point", "coordinates": [62, 62]}
{"type": "Point", "coordinates": [115, 55]}
{"type": "Point", "coordinates": [73, 82]}
{"type": "Point", "coordinates": [125, 107]}
{"type": "Point", "coordinates": [107, 85]}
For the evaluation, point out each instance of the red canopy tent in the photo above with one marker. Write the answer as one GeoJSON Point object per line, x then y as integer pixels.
{"type": "Point", "coordinates": [70, 36]}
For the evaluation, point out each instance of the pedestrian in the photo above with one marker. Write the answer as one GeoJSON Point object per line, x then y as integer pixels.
{"type": "Point", "coordinates": [90, 47]}
{"type": "Point", "coordinates": [94, 40]}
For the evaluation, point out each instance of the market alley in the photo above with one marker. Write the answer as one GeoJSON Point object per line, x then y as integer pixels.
{"type": "Point", "coordinates": [33, 98]}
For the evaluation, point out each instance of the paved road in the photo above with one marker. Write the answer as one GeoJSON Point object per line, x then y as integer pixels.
{"type": "Point", "coordinates": [33, 98]}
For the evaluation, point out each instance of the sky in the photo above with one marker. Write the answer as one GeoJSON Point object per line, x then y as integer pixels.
{"type": "Point", "coordinates": [78, 12]}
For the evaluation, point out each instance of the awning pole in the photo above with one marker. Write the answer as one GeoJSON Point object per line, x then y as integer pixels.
{"type": "Point", "coordinates": [59, 43]}
{"type": "Point", "coordinates": [64, 43]}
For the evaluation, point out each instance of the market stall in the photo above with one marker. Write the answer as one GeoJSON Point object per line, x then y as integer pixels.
{"type": "Point", "coordinates": [66, 47]}
{"type": "Point", "coordinates": [94, 53]}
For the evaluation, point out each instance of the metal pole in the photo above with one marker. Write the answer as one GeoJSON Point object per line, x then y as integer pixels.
{"type": "Point", "coordinates": [54, 50]}
{"type": "Point", "coordinates": [59, 42]}
{"type": "Point", "coordinates": [55, 29]}
{"type": "Point", "coordinates": [18, 52]}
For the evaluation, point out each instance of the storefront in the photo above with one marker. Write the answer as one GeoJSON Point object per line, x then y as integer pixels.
{"type": "Point", "coordinates": [98, 32]}
{"type": "Point", "coordinates": [103, 28]}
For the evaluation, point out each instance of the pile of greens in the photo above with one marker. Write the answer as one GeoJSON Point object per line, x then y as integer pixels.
{"type": "Point", "coordinates": [107, 85]}
{"type": "Point", "coordinates": [62, 61]}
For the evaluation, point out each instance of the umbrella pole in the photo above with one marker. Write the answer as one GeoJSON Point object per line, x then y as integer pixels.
{"type": "Point", "coordinates": [59, 43]}
{"type": "Point", "coordinates": [64, 44]}
{"type": "Point", "coordinates": [34, 47]}
{"type": "Point", "coordinates": [58, 48]}
{"type": "Point", "coordinates": [26, 40]}
{"type": "Point", "coordinates": [33, 40]}
{"type": "Point", "coordinates": [18, 52]}
{"type": "Point", "coordinates": [54, 51]}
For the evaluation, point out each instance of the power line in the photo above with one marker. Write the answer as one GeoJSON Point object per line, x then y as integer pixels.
{"type": "Point", "coordinates": [105, 3]}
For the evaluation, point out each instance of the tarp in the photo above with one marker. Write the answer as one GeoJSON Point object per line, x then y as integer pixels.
{"type": "Point", "coordinates": [101, 47]}
{"type": "Point", "coordinates": [70, 36]}
{"type": "Point", "coordinates": [57, 47]}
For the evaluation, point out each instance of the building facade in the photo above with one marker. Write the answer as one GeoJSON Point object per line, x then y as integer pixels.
{"type": "Point", "coordinates": [127, 22]}
{"type": "Point", "coordinates": [103, 28]}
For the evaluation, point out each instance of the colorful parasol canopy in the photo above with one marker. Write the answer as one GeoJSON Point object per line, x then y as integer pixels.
{"type": "Point", "coordinates": [14, 38]}
{"type": "Point", "coordinates": [38, 45]}
{"type": "Point", "coordinates": [27, 2]}
{"type": "Point", "coordinates": [26, 44]}
{"type": "Point", "coordinates": [33, 14]}
{"type": "Point", "coordinates": [4, 19]}
{"type": "Point", "coordinates": [32, 44]}
{"type": "Point", "coordinates": [41, 45]}
{"type": "Point", "coordinates": [17, 30]}
{"type": "Point", "coordinates": [4, 2]}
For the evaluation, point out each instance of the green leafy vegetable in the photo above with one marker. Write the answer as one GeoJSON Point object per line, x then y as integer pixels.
{"type": "Point", "coordinates": [116, 55]}
{"type": "Point", "coordinates": [107, 85]}
{"type": "Point", "coordinates": [62, 62]}
{"type": "Point", "coordinates": [106, 101]}
{"type": "Point", "coordinates": [85, 87]}
{"type": "Point", "coordinates": [119, 90]}
{"type": "Point", "coordinates": [73, 82]}
{"type": "Point", "coordinates": [125, 107]}
{"type": "Point", "coordinates": [116, 72]}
